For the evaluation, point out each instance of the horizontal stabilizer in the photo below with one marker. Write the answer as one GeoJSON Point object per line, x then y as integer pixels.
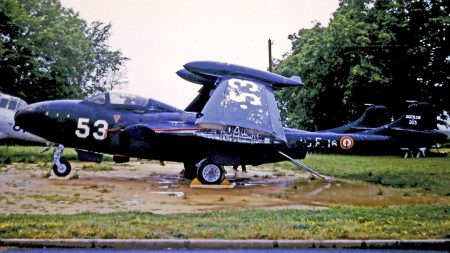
{"type": "Point", "coordinates": [374, 116]}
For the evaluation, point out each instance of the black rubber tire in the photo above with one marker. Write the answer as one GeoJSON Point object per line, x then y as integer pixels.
{"type": "Point", "coordinates": [210, 173]}
{"type": "Point", "coordinates": [62, 173]}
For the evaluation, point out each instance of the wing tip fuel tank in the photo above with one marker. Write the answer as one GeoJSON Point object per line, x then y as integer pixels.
{"type": "Point", "coordinates": [204, 69]}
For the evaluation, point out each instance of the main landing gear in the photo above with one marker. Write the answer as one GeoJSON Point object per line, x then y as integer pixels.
{"type": "Point", "coordinates": [189, 171]}
{"type": "Point", "coordinates": [407, 152]}
{"type": "Point", "coordinates": [210, 173]}
{"type": "Point", "coordinates": [206, 172]}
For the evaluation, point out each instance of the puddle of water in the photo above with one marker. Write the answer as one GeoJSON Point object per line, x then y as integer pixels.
{"type": "Point", "coordinates": [127, 188]}
{"type": "Point", "coordinates": [172, 194]}
{"type": "Point", "coordinates": [315, 192]}
{"type": "Point", "coordinates": [301, 191]}
{"type": "Point", "coordinates": [356, 193]}
{"type": "Point", "coordinates": [166, 181]}
{"type": "Point", "coordinates": [135, 200]}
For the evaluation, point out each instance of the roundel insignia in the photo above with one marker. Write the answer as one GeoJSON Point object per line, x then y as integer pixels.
{"type": "Point", "coordinates": [346, 142]}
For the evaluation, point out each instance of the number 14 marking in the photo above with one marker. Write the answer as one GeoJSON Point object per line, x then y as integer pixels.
{"type": "Point", "coordinates": [83, 129]}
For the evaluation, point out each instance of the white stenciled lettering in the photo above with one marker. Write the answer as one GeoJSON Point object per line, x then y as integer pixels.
{"type": "Point", "coordinates": [412, 122]}
{"type": "Point", "coordinates": [83, 130]}
{"type": "Point", "coordinates": [410, 116]}
{"type": "Point", "coordinates": [332, 143]}
{"type": "Point", "coordinates": [101, 125]}
{"type": "Point", "coordinates": [318, 141]}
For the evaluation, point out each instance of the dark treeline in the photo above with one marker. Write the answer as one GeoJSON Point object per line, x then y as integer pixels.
{"type": "Point", "coordinates": [48, 52]}
{"type": "Point", "coordinates": [373, 51]}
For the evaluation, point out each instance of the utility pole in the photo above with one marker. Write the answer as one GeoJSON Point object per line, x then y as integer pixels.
{"type": "Point", "coordinates": [270, 55]}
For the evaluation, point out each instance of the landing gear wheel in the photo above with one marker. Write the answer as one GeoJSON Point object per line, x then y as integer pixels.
{"type": "Point", "coordinates": [189, 172]}
{"type": "Point", "coordinates": [210, 173]}
{"type": "Point", "coordinates": [64, 168]}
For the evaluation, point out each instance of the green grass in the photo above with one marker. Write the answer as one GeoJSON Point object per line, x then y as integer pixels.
{"type": "Point", "coordinates": [34, 154]}
{"type": "Point", "coordinates": [401, 222]}
{"type": "Point", "coordinates": [97, 167]}
{"type": "Point", "coordinates": [430, 175]}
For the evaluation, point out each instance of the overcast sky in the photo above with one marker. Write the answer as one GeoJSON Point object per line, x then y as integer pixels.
{"type": "Point", "coordinates": [159, 36]}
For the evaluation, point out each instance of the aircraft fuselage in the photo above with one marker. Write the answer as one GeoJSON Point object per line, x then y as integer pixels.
{"type": "Point", "coordinates": [172, 136]}
{"type": "Point", "coordinates": [81, 125]}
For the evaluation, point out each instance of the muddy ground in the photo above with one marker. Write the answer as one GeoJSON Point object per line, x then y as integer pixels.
{"type": "Point", "coordinates": [149, 187]}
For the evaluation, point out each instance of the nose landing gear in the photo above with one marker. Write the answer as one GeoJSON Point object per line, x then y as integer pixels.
{"type": "Point", "coordinates": [61, 166]}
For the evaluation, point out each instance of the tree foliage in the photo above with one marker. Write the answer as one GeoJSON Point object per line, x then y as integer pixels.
{"type": "Point", "coordinates": [373, 51]}
{"type": "Point", "coordinates": [48, 52]}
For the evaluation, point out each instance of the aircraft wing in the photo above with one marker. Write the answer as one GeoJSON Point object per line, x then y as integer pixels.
{"type": "Point", "coordinates": [241, 110]}
{"type": "Point", "coordinates": [207, 83]}
{"type": "Point", "coordinates": [209, 73]}
{"type": "Point", "coordinates": [141, 136]}
{"type": "Point", "coordinates": [139, 130]}
{"type": "Point", "coordinates": [237, 103]}
{"type": "Point", "coordinates": [199, 102]}
{"type": "Point", "coordinates": [148, 130]}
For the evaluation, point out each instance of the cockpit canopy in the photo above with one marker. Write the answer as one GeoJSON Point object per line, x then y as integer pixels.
{"type": "Point", "coordinates": [11, 103]}
{"type": "Point", "coordinates": [126, 101]}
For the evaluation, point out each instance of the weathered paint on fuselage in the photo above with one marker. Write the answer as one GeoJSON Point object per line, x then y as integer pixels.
{"type": "Point", "coordinates": [92, 127]}
{"type": "Point", "coordinates": [326, 142]}
{"type": "Point", "coordinates": [103, 129]}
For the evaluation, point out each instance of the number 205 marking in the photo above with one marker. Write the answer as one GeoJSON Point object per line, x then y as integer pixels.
{"type": "Point", "coordinates": [83, 129]}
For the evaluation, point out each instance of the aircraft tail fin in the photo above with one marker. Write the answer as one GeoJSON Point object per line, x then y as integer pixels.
{"type": "Point", "coordinates": [419, 116]}
{"type": "Point", "coordinates": [374, 116]}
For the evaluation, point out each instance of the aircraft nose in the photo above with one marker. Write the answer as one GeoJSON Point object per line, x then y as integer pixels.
{"type": "Point", "coordinates": [22, 115]}
{"type": "Point", "coordinates": [26, 117]}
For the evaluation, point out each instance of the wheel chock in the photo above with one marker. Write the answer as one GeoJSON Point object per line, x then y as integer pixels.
{"type": "Point", "coordinates": [196, 184]}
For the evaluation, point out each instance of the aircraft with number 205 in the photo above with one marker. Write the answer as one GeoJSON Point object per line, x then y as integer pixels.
{"type": "Point", "coordinates": [234, 121]}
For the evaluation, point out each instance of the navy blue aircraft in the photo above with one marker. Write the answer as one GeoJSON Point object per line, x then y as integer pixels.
{"type": "Point", "coordinates": [233, 121]}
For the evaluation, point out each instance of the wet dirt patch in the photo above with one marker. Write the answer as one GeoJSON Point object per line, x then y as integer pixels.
{"type": "Point", "coordinates": [147, 186]}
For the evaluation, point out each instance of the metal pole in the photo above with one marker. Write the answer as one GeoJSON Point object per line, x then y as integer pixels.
{"type": "Point", "coordinates": [270, 55]}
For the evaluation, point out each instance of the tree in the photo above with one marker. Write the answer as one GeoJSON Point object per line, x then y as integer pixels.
{"type": "Point", "coordinates": [104, 70]}
{"type": "Point", "coordinates": [373, 51]}
{"type": "Point", "coordinates": [48, 52]}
